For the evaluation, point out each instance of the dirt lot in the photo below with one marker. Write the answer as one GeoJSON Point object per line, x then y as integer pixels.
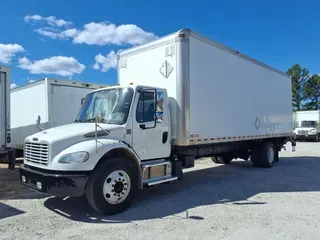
{"type": "Point", "coordinates": [10, 186]}
{"type": "Point", "coordinates": [212, 202]}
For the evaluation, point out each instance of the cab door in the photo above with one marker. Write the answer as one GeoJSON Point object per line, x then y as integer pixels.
{"type": "Point", "coordinates": [151, 124]}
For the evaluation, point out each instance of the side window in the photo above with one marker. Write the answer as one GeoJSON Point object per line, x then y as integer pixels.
{"type": "Point", "coordinates": [159, 110]}
{"type": "Point", "coordinates": [146, 107]}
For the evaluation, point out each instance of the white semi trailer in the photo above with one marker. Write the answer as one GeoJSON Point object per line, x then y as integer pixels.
{"type": "Point", "coordinates": [180, 98]}
{"type": "Point", "coordinates": [44, 104]}
{"type": "Point", "coordinates": [307, 125]}
{"type": "Point", "coordinates": [5, 135]}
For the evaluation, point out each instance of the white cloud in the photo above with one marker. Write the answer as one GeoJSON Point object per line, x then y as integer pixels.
{"type": "Point", "coordinates": [70, 32]}
{"type": "Point", "coordinates": [13, 85]}
{"type": "Point", "coordinates": [93, 33]}
{"type": "Point", "coordinates": [104, 33]}
{"type": "Point", "coordinates": [8, 51]}
{"type": "Point", "coordinates": [59, 65]}
{"type": "Point", "coordinates": [51, 20]}
{"type": "Point", "coordinates": [56, 34]}
{"type": "Point", "coordinates": [105, 63]}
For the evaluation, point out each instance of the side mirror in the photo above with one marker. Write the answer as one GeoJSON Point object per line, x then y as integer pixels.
{"type": "Point", "coordinates": [82, 101]}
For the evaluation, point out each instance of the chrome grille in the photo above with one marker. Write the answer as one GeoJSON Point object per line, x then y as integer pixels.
{"type": "Point", "coordinates": [36, 153]}
{"type": "Point", "coordinates": [302, 132]}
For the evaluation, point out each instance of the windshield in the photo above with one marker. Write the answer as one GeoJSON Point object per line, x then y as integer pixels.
{"type": "Point", "coordinates": [308, 124]}
{"type": "Point", "coordinates": [110, 106]}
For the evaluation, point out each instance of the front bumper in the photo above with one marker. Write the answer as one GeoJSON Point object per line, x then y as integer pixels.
{"type": "Point", "coordinates": [306, 137]}
{"type": "Point", "coordinates": [54, 183]}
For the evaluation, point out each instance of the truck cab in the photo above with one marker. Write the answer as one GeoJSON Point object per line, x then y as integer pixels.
{"type": "Point", "coordinates": [117, 128]}
{"type": "Point", "coordinates": [307, 129]}
{"type": "Point", "coordinates": [307, 125]}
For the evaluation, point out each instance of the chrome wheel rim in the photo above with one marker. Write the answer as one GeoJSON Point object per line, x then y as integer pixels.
{"type": "Point", "coordinates": [116, 187]}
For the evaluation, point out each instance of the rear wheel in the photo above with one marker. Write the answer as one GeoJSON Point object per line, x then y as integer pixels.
{"type": "Point", "coordinates": [112, 187]}
{"type": "Point", "coordinates": [268, 155]}
{"type": "Point", "coordinates": [255, 154]}
{"type": "Point", "coordinates": [264, 154]}
{"type": "Point", "coordinates": [225, 159]}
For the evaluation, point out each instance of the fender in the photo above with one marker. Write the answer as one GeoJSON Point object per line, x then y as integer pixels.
{"type": "Point", "coordinates": [104, 146]}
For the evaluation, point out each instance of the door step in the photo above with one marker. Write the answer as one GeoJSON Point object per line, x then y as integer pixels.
{"type": "Point", "coordinates": [154, 163]}
{"type": "Point", "coordinates": [158, 180]}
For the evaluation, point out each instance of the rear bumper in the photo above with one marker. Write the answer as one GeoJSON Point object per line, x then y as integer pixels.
{"type": "Point", "coordinates": [54, 183]}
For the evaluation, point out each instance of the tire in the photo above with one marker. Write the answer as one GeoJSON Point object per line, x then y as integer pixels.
{"type": "Point", "coordinates": [268, 155]}
{"type": "Point", "coordinates": [255, 155]}
{"type": "Point", "coordinates": [226, 159]}
{"type": "Point", "coordinates": [215, 159]}
{"type": "Point", "coordinates": [102, 195]}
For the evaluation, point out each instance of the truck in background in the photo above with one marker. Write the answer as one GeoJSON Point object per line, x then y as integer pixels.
{"type": "Point", "coordinates": [5, 135]}
{"type": "Point", "coordinates": [44, 104]}
{"type": "Point", "coordinates": [179, 98]}
{"type": "Point", "coordinates": [307, 125]}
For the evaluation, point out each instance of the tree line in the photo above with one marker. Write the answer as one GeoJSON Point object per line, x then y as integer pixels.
{"type": "Point", "coordinates": [305, 89]}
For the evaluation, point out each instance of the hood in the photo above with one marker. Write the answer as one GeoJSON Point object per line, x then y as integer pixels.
{"type": "Point", "coordinates": [77, 131]}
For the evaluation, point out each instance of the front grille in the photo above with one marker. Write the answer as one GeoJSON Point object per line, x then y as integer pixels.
{"type": "Point", "coordinates": [302, 132]}
{"type": "Point", "coordinates": [36, 153]}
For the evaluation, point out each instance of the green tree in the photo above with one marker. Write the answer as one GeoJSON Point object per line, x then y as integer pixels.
{"type": "Point", "coordinates": [311, 92]}
{"type": "Point", "coordinates": [298, 77]}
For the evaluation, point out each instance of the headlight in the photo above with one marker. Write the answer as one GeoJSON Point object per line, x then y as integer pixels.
{"type": "Point", "coordinates": [313, 131]}
{"type": "Point", "coordinates": [77, 157]}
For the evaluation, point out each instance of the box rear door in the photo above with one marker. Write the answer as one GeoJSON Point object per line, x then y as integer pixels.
{"type": "Point", "coordinates": [3, 111]}
{"type": "Point", "coordinates": [66, 103]}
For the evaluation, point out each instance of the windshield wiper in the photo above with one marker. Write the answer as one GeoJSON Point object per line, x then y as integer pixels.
{"type": "Point", "coordinates": [94, 119]}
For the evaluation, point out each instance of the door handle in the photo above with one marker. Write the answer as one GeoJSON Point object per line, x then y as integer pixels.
{"type": "Point", "coordinates": [164, 137]}
{"type": "Point", "coordinates": [142, 126]}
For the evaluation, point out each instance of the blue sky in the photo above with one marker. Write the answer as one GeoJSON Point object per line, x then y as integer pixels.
{"type": "Point", "coordinates": [76, 39]}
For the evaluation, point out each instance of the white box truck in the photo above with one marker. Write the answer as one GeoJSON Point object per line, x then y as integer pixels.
{"type": "Point", "coordinates": [180, 98]}
{"type": "Point", "coordinates": [307, 126]}
{"type": "Point", "coordinates": [44, 104]}
{"type": "Point", "coordinates": [5, 135]}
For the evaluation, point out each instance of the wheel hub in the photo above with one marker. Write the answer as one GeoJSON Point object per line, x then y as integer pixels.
{"type": "Point", "coordinates": [116, 187]}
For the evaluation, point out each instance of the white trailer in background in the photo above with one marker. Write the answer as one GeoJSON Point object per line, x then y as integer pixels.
{"type": "Point", "coordinates": [180, 98]}
{"type": "Point", "coordinates": [44, 104]}
{"type": "Point", "coordinates": [5, 138]}
{"type": "Point", "coordinates": [307, 125]}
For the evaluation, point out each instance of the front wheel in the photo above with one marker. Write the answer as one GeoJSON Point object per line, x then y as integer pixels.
{"type": "Point", "coordinates": [112, 187]}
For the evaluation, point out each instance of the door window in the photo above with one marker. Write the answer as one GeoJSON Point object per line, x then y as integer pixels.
{"type": "Point", "coordinates": [146, 107]}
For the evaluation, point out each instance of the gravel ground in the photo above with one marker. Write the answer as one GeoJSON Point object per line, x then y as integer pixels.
{"type": "Point", "coordinates": [212, 202]}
